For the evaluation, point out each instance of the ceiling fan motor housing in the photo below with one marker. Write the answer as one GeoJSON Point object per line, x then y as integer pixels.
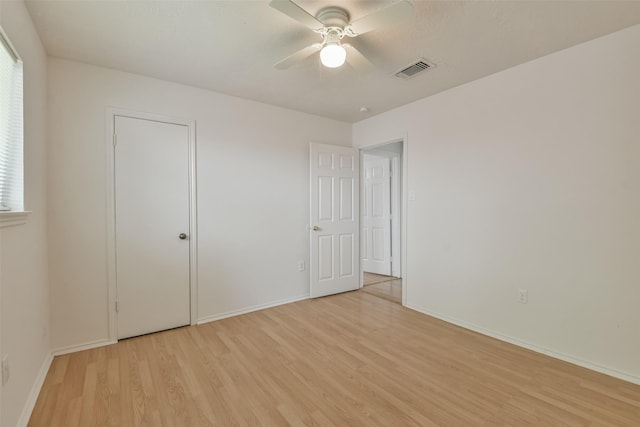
{"type": "Point", "coordinates": [333, 16]}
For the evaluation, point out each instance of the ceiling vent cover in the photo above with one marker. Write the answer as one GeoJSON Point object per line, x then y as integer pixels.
{"type": "Point", "coordinates": [416, 67]}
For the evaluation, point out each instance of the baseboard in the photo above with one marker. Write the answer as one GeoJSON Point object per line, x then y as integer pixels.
{"type": "Point", "coordinates": [86, 346]}
{"type": "Point", "coordinates": [232, 313]}
{"type": "Point", "coordinates": [35, 392]}
{"type": "Point", "coordinates": [515, 341]}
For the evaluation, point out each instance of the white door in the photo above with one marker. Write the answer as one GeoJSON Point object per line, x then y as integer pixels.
{"type": "Point", "coordinates": [334, 262]}
{"type": "Point", "coordinates": [376, 215]}
{"type": "Point", "coordinates": [152, 225]}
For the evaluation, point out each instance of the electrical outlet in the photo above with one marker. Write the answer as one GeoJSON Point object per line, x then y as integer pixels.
{"type": "Point", "coordinates": [5, 370]}
{"type": "Point", "coordinates": [301, 265]}
{"type": "Point", "coordinates": [523, 296]}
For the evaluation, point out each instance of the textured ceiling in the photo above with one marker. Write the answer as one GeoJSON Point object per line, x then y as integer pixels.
{"type": "Point", "coordinates": [231, 46]}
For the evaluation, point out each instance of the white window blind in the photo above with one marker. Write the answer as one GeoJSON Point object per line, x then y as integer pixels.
{"type": "Point", "coordinates": [11, 129]}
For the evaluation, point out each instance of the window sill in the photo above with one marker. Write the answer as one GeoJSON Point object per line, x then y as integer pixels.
{"type": "Point", "coordinates": [11, 218]}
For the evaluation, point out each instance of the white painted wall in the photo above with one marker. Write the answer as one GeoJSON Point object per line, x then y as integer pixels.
{"type": "Point", "coordinates": [530, 178]}
{"type": "Point", "coordinates": [524, 179]}
{"type": "Point", "coordinates": [23, 250]}
{"type": "Point", "coordinates": [253, 193]}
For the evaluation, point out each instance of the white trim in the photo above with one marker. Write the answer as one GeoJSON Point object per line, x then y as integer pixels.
{"type": "Point", "coordinates": [111, 112]}
{"type": "Point", "coordinates": [193, 224]}
{"type": "Point", "coordinates": [32, 398]}
{"type": "Point", "coordinates": [36, 388]}
{"type": "Point", "coordinates": [87, 346]}
{"type": "Point", "coordinates": [405, 215]}
{"type": "Point", "coordinates": [111, 226]}
{"type": "Point", "coordinates": [232, 313]}
{"type": "Point", "coordinates": [12, 50]}
{"type": "Point", "coordinates": [515, 341]}
{"type": "Point", "coordinates": [11, 218]}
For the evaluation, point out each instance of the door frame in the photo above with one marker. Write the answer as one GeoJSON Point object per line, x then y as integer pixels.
{"type": "Point", "coordinates": [112, 290]}
{"type": "Point", "coordinates": [403, 206]}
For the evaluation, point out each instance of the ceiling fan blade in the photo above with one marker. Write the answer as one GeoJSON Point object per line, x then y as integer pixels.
{"type": "Point", "coordinates": [294, 11]}
{"type": "Point", "coordinates": [298, 56]}
{"type": "Point", "coordinates": [357, 60]}
{"type": "Point", "coordinates": [390, 15]}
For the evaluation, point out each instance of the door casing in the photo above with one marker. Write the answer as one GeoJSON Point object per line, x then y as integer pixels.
{"type": "Point", "coordinates": [111, 113]}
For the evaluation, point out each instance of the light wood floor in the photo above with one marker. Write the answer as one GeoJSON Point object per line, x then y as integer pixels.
{"type": "Point", "coordinates": [383, 286]}
{"type": "Point", "coordinates": [346, 360]}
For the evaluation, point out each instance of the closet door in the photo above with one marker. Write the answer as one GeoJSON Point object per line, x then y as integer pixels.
{"type": "Point", "coordinates": [152, 225]}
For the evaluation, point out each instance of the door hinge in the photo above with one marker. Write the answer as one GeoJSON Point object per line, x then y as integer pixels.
{"type": "Point", "coordinates": [117, 306]}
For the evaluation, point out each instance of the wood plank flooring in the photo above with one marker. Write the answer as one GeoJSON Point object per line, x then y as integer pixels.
{"type": "Point", "coordinates": [387, 287]}
{"type": "Point", "coordinates": [345, 360]}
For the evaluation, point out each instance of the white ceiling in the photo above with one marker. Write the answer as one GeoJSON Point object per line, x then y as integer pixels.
{"type": "Point", "coordinates": [231, 46]}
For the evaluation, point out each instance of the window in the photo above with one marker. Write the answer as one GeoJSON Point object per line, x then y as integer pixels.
{"type": "Point", "coordinates": [11, 129]}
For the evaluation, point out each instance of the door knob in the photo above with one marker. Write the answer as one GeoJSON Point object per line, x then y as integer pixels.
{"type": "Point", "coordinates": [182, 236]}
{"type": "Point", "coordinates": [316, 228]}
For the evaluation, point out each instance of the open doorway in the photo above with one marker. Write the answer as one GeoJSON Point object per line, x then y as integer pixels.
{"type": "Point", "coordinates": [380, 220]}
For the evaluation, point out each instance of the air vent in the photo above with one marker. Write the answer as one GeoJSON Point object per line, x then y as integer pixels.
{"type": "Point", "coordinates": [414, 68]}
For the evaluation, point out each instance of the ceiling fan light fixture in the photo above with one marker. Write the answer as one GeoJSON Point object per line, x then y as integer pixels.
{"type": "Point", "coordinates": [333, 55]}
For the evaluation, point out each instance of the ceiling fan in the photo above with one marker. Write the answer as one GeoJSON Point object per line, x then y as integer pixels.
{"type": "Point", "coordinates": [333, 24]}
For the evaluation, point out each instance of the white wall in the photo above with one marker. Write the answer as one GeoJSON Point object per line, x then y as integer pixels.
{"type": "Point", "coordinates": [530, 178]}
{"type": "Point", "coordinates": [252, 162]}
{"type": "Point", "coordinates": [23, 256]}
